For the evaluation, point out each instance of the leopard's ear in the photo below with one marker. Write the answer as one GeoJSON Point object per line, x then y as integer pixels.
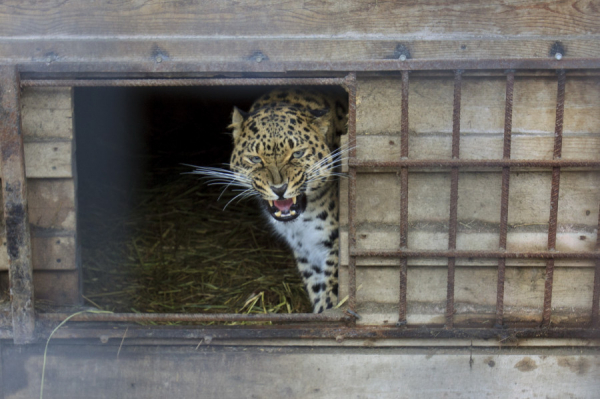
{"type": "Point", "coordinates": [237, 119]}
{"type": "Point", "coordinates": [321, 120]}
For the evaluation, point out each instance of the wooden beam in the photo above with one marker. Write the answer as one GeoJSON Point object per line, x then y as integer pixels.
{"type": "Point", "coordinates": [14, 189]}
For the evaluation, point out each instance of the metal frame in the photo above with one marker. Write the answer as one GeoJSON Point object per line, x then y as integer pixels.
{"type": "Point", "coordinates": [24, 318]}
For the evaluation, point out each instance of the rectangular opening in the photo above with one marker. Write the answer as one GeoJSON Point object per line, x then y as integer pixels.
{"type": "Point", "coordinates": [155, 239]}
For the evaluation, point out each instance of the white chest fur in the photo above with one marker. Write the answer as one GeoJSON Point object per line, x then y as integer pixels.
{"type": "Point", "coordinates": [306, 235]}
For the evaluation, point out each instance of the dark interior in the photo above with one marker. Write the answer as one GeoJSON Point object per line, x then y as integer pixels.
{"type": "Point", "coordinates": [131, 144]}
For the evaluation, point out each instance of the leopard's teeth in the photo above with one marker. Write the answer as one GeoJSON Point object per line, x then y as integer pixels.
{"type": "Point", "coordinates": [293, 212]}
{"type": "Point", "coordinates": [270, 203]}
{"type": "Point", "coordinates": [278, 214]}
{"type": "Point", "coordinates": [294, 199]}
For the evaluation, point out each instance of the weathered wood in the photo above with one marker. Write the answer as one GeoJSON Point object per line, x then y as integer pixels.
{"type": "Point", "coordinates": [14, 190]}
{"type": "Point", "coordinates": [524, 287]}
{"type": "Point", "coordinates": [375, 313]}
{"type": "Point", "coordinates": [52, 204]}
{"type": "Point", "coordinates": [47, 113]}
{"type": "Point", "coordinates": [317, 19]}
{"type": "Point", "coordinates": [479, 198]}
{"type": "Point", "coordinates": [470, 237]}
{"type": "Point", "coordinates": [475, 295]}
{"type": "Point", "coordinates": [54, 287]}
{"type": "Point", "coordinates": [482, 110]}
{"type": "Point", "coordinates": [52, 213]}
{"type": "Point", "coordinates": [48, 159]}
{"type": "Point", "coordinates": [477, 146]}
{"type": "Point", "coordinates": [48, 253]}
{"type": "Point", "coordinates": [226, 48]}
{"type": "Point", "coordinates": [421, 373]}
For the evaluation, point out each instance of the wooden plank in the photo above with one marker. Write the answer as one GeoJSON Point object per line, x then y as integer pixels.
{"type": "Point", "coordinates": [475, 295]}
{"type": "Point", "coordinates": [466, 315]}
{"type": "Point", "coordinates": [14, 193]}
{"type": "Point", "coordinates": [482, 110]}
{"type": "Point", "coordinates": [476, 286]}
{"type": "Point", "coordinates": [477, 146]}
{"type": "Point", "coordinates": [51, 159]}
{"type": "Point", "coordinates": [239, 372]}
{"type": "Point", "coordinates": [48, 252]}
{"type": "Point", "coordinates": [479, 198]}
{"type": "Point", "coordinates": [47, 112]}
{"type": "Point", "coordinates": [387, 238]}
{"type": "Point", "coordinates": [315, 18]}
{"type": "Point", "coordinates": [59, 288]}
{"type": "Point", "coordinates": [54, 287]}
{"type": "Point", "coordinates": [281, 49]}
{"type": "Point", "coordinates": [51, 204]}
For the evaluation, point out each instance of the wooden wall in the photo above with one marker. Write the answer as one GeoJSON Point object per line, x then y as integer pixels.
{"type": "Point", "coordinates": [189, 371]}
{"type": "Point", "coordinates": [61, 31]}
{"type": "Point", "coordinates": [47, 126]}
{"type": "Point", "coordinates": [482, 127]}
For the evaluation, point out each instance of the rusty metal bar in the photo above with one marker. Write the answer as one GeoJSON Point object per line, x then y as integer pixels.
{"type": "Point", "coordinates": [453, 198]}
{"type": "Point", "coordinates": [475, 254]}
{"type": "Point", "coordinates": [195, 317]}
{"type": "Point", "coordinates": [596, 294]}
{"type": "Point", "coordinates": [14, 191]}
{"type": "Point", "coordinates": [552, 224]}
{"type": "Point", "coordinates": [170, 67]}
{"type": "Point", "coordinates": [351, 85]}
{"type": "Point", "coordinates": [510, 81]}
{"type": "Point", "coordinates": [403, 199]}
{"type": "Point", "coordinates": [182, 82]}
{"type": "Point", "coordinates": [472, 163]}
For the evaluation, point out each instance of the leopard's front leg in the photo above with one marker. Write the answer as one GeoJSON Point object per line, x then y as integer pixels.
{"type": "Point", "coordinates": [321, 279]}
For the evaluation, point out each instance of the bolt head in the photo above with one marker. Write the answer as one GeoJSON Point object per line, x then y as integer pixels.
{"type": "Point", "coordinates": [403, 57]}
{"type": "Point", "coordinates": [558, 56]}
{"type": "Point", "coordinates": [159, 59]}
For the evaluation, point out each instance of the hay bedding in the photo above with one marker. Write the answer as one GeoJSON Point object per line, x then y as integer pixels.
{"type": "Point", "coordinates": [177, 250]}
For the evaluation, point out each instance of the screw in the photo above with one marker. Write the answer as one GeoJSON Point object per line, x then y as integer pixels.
{"type": "Point", "coordinates": [207, 339]}
{"type": "Point", "coordinates": [558, 56]}
{"type": "Point", "coordinates": [104, 339]}
{"type": "Point", "coordinates": [159, 59]}
{"type": "Point", "coordinates": [402, 57]}
{"type": "Point", "coordinates": [339, 339]}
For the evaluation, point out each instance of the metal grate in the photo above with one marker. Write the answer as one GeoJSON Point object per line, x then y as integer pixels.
{"type": "Point", "coordinates": [404, 163]}
{"type": "Point", "coordinates": [23, 318]}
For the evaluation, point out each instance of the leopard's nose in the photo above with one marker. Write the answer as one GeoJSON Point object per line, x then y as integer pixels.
{"type": "Point", "coordinates": [280, 190]}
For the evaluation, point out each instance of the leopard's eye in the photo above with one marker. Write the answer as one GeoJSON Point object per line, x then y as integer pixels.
{"type": "Point", "coordinates": [298, 154]}
{"type": "Point", "coordinates": [255, 159]}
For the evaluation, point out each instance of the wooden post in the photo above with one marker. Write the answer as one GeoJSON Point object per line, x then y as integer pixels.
{"type": "Point", "coordinates": [14, 190]}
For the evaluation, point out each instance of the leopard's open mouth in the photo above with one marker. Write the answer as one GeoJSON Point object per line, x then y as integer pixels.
{"type": "Point", "coordinates": [287, 209]}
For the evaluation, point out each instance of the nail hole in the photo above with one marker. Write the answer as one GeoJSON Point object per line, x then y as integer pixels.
{"type": "Point", "coordinates": [582, 238]}
{"type": "Point", "coordinates": [58, 260]}
{"type": "Point", "coordinates": [58, 241]}
{"type": "Point", "coordinates": [392, 142]}
{"type": "Point", "coordinates": [587, 213]}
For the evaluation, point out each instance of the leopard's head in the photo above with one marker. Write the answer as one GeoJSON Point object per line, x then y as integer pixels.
{"type": "Point", "coordinates": [282, 151]}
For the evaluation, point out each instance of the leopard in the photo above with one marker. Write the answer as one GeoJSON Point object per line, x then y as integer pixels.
{"type": "Point", "coordinates": [287, 154]}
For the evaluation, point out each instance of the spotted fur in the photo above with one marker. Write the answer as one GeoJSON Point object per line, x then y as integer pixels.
{"type": "Point", "coordinates": [286, 153]}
